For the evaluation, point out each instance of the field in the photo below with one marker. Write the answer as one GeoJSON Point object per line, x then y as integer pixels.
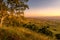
{"type": "Point", "coordinates": [32, 29]}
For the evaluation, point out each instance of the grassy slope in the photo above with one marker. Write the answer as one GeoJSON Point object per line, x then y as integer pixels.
{"type": "Point", "coordinates": [44, 22]}
{"type": "Point", "coordinates": [21, 33]}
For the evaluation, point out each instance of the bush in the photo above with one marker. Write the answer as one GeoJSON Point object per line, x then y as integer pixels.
{"type": "Point", "coordinates": [45, 31]}
{"type": "Point", "coordinates": [30, 26]}
{"type": "Point", "coordinates": [57, 36]}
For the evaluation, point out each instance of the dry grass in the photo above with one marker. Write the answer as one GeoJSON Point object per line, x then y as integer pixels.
{"type": "Point", "coordinates": [20, 33]}
{"type": "Point", "coordinates": [23, 33]}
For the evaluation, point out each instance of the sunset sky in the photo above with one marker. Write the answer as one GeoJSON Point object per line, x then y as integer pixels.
{"type": "Point", "coordinates": [43, 8]}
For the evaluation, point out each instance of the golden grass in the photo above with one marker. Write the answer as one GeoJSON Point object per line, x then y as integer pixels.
{"type": "Point", "coordinates": [24, 33]}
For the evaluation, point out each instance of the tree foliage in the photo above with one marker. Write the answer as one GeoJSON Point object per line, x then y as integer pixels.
{"type": "Point", "coordinates": [19, 5]}
{"type": "Point", "coordinates": [8, 7]}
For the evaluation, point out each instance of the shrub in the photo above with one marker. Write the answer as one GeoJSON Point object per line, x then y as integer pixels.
{"type": "Point", "coordinates": [57, 36]}
{"type": "Point", "coordinates": [24, 25]}
{"type": "Point", "coordinates": [30, 26]}
{"type": "Point", "coordinates": [45, 31]}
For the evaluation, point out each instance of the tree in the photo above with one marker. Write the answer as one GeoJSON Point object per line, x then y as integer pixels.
{"type": "Point", "coordinates": [18, 5]}
{"type": "Point", "coordinates": [13, 6]}
{"type": "Point", "coordinates": [3, 10]}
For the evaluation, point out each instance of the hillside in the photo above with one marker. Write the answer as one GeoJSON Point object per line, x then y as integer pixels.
{"type": "Point", "coordinates": [31, 29]}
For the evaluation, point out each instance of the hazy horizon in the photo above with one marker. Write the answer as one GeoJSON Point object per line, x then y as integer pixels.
{"type": "Point", "coordinates": [43, 8]}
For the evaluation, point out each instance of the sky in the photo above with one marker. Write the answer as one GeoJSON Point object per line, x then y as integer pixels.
{"type": "Point", "coordinates": [39, 8]}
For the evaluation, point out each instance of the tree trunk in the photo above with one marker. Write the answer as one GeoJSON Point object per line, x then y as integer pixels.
{"type": "Point", "coordinates": [4, 15]}
{"type": "Point", "coordinates": [2, 20]}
